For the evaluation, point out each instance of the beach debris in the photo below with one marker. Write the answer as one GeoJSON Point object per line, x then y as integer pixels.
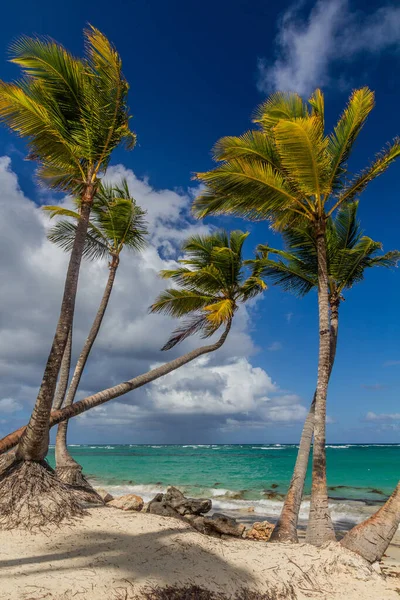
{"type": "Point", "coordinates": [223, 525]}
{"type": "Point", "coordinates": [127, 502]}
{"type": "Point", "coordinates": [104, 495]}
{"type": "Point", "coordinates": [260, 530]}
{"type": "Point", "coordinates": [173, 503]}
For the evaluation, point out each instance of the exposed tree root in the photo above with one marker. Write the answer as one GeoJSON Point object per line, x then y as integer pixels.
{"type": "Point", "coordinates": [6, 460]}
{"type": "Point", "coordinates": [31, 497]}
{"type": "Point", "coordinates": [72, 475]}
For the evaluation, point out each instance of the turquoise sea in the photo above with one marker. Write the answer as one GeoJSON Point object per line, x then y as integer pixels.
{"type": "Point", "coordinates": [240, 476]}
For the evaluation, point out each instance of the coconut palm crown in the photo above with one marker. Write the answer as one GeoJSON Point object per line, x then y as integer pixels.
{"type": "Point", "coordinates": [72, 111]}
{"type": "Point", "coordinates": [116, 222]}
{"type": "Point", "coordinates": [349, 254]}
{"type": "Point", "coordinates": [212, 282]}
{"type": "Point", "coordinates": [289, 169]}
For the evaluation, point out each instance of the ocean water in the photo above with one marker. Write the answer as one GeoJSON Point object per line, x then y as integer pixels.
{"type": "Point", "coordinates": [236, 477]}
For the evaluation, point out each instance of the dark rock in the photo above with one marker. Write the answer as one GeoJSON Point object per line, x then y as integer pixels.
{"type": "Point", "coordinates": [197, 522]}
{"type": "Point", "coordinates": [223, 525]}
{"type": "Point", "coordinates": [173, 503]}
{"type": "Point", "coordinates": [274, 486]}
{"type": "Point", "coordinates": [158, 506]}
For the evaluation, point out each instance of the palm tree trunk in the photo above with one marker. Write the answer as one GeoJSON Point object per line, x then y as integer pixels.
{"type": "Point", "coordinates": [64, 374]}
{"type": "Point", "coordinates": [34, 443]}
{"type": "Point", "coordinates": [320, 526]}
{"type": "Point", "coordinates": [30, 494]}
{"type": "Point", "coordinates": [104, 396]}
{"type": "Point", "coordinates": [67, 469]}
{"type": "Point", "coordinates": [286, 527]}
{"type": "Point", "coordinates": [371, 538]}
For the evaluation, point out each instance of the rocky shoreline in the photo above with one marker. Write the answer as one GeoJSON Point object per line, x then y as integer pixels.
{"type": "Point", "coordinates": [194, 511]}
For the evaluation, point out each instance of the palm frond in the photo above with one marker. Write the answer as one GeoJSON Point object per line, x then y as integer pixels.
{"type": "Point", "coordinates": [197, 324]}
{"type": "Point", "coordinates": [279, 106]}
{"type": "Point", "coordinates": [220, 312]}
{"type": "Point", "coordinates": [251, 145]}
{"type": "Point", "coordinates": [379, 166]}
{"type": "Point", "coordinates": [211, 282]}
{"type": "Point", "coordinates": [317, 104]}
{"type": "Point", "coordinates": [248, 189]}
{"type": "Point", "coordinates": [302, 148]}
{"type": "Point", "coordinates": [346, 132]}
{"type": "Point", "coordinates": [62, 234]}
{"type": "Point", "coordinates": [178, 303]}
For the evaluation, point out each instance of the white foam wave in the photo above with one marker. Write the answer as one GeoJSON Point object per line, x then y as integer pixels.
{"type": "Point", "coordinates": [345, 446]}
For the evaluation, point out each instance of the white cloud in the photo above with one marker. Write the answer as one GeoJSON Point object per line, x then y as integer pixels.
{"type": "Point", "coordinates": [307, 47]}
{"type": "Point", "coordinates": [9, 405]}
{"type": "Point", "coordinates": [388, 417]}
{"type": "Point", "coordinates": [219, 396]}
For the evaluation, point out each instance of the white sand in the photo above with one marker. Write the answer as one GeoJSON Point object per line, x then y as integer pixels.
{"type": "Point", "coordinates": [111, 554]}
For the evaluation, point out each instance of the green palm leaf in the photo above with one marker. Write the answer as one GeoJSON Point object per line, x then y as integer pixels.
{"type": "Point", "coordinates": [212, 282]}
{"type": "Point", "coordinates": [279, 106]}
{"type": "Point", "coordinates": [378, 166]}
{"type": "Point", "coordinates": [302, 147]}
{"type": "Point", "coordinates": [346, 131]}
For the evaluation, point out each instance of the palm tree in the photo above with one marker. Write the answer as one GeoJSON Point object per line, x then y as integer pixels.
{"type": "Point", "coordinates": [213, 281]}
{"type": "Point", "coordinates": [116, 223]}
{"type": "Point", "coordinates": [349, 254]}
{"type": "Point", "coordinates": [371, 538]}
{"type": "Point", "coordinates": [290, 172]}
{"type": "Point", "coordinates": [73, 113]}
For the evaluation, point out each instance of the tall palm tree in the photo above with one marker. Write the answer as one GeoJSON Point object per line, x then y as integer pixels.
{"type": "Point", "coordinates": [212, 282]}
{"type": "Point", "coordinates": [73, 113]}
{"type": "Point", "coordinates": [288, 172]}
{"type": "Point", "coordinates": [117, 222]}
{"type": "Point", "coordinates": [349, 254]}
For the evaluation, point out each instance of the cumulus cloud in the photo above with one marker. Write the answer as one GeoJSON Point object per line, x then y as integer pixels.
{"type": "Point", "coordinates": [212, 395]}
{"type": "Point", "coordinates": [225, 385]}
{"type": "Point", "coordinates": [382, 417]}
{"type": "Point", "coordinates": [307, 46]}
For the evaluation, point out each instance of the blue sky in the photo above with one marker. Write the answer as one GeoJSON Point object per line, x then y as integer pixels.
{"type": "Point", "coordinates": [196, 73]}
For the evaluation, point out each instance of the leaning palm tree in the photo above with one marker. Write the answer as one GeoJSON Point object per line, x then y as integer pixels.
{"type": "Point", "coordinates": [213, 282]}
{"type": "Point", "coordinates": [371, 537]}
{"type": "Point", "coordinates": [73, 113]}
{"type": "Point", "coordinates": [349, 254]}
{"type": "Point", "coordinates": [117, 222]}
{"type": "Point", "coordinates": [289, 172]}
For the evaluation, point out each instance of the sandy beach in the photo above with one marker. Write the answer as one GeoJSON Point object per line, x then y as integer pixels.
{"type": "Point", "coordinates": [111, 554]}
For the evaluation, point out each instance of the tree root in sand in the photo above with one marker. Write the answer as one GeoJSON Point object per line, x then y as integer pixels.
{"type": "Point", "coordinates": [31, 497]}
{"type": "Point", "coordinates": [72, 475]}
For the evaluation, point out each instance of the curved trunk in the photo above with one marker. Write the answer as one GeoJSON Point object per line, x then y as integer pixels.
{"type": "Point", "coordinates": [320, 526]}
{"type": "Point", "coordinates": [67, 469]}
{"type": "Point", "coordinates": [371, 538]}
{"type": "Point", "coordinates": [286, 527]}
{"type": "Point", "coordinates": [104, 396]}
{"type": "Point", "coordinates": [64, 374]}
{"type": "Point", "coordinates": [34, 442]}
